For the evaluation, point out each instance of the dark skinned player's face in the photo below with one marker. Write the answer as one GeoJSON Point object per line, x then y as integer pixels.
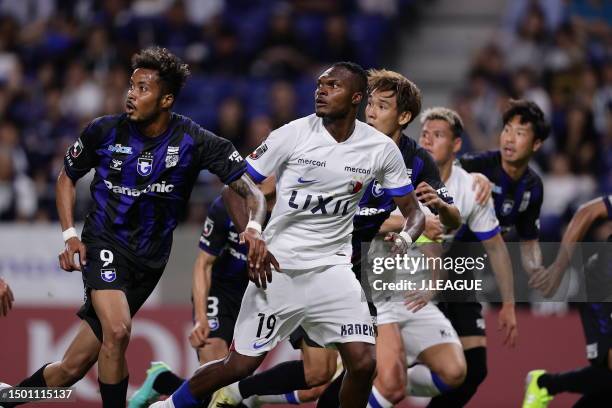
{"type": "Point", "coordinates": [336, 93]}
{"type": "Point", "coordinates": [144, 97]}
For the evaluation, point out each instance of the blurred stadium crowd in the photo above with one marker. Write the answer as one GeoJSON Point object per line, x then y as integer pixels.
{"type": "Point", "coordinates": [254, 62]}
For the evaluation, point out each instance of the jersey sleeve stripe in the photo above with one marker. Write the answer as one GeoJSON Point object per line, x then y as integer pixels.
{"type": "Point", "coordinates": [255, 175]}
{"type": "Point", "coordinates": [483, 236]}
{"type": "Point", "coordinates": [208, 249]}
{"type": "Point", "coordinates": [400, 191]}
{"type": "Point", "coordinates": [608, 202]}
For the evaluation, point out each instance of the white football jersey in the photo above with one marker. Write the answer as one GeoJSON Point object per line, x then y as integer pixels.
{"type": "Point", "coordinates": [319, 183]}
{"type": "Point", "coordinates": [480, 219]}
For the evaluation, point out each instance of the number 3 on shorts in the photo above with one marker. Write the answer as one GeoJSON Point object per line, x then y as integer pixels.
{"type": "Point", "coordinates": [213, 306]}
{"type": "Point", "coordinates": [107, 257]}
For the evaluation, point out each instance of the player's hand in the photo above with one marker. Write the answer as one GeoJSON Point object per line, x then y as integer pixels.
{"type": "Point", "coordinates": [199, 332]}
{"type": "Point", "coordinates": [415, 300]}
{"type": "Point", "coordinates": [400, 245]}
{"type": "Point", "coordinates": [482, 187]}
{"type": "Point", "coordinates": [259, 259]}
{"type": "Point", "coordinates": [66, 257]}
{"type": "Point", "coordinates": [433, 227]}
{"type": "Point", "coordinates": [6, 298]}
{"type": "Point", "coordinates": [547, 280]}
{"type": "Point", "coordinates": [428, 196]}
{"type": "Point", "coordinates": [506, 322]}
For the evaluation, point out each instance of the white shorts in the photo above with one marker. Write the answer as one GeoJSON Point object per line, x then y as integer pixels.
{"type": "Point", "coordinates": [421, 330]}
{"type": "Point", "coordinates": [327, 302]}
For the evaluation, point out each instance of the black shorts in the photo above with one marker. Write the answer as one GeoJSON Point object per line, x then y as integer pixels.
{"type": "Point", "coordinates": [299, 334]}
{"type": "Point", "coordinates": [109, 269]}
{"type": "Point", "coordinates": [597, 325]}
{"type": "Point", "coordinates": [466, 317]}
{"type": "Point", "coordinates": [223, 308]}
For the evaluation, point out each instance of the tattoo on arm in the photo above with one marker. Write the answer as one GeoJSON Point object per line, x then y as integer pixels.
{"type": "Point", "coordinates": [256, 202]}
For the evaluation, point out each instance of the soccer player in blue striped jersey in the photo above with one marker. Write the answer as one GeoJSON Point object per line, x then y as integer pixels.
{"type": "Point", "coordinates": [146, 162]}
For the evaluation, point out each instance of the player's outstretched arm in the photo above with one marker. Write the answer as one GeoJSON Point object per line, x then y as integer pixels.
{"type": "Point", "coordinates": [547, 280]}
{"type": "Point", "coordinates": [6, 298]}
{"type": "Point", "coordinates": [202, 271]}
{"type": "Point", "coordinates": [65, 197]}
{"type": "Point", "coordinates": [502, 268]}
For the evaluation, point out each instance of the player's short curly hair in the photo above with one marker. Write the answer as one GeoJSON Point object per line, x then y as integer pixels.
{"type": "Point", "coordinates": [408, 95]}
{"type": "Point", "coordinates": [172, 71]}
{"type": "Point", "coordinates": [358, 71]}
{"type": "Point", "coordinates": [528, 112]}
{"type": "Point", "coordinates": [448, 115]}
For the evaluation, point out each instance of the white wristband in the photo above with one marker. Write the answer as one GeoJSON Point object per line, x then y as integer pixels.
{"type": "Point", "coordinates": [406, 237]}
{"type": "Point", "coordinates": [255, 225]}
{"type": "Point", "coordinates": [69, 233]}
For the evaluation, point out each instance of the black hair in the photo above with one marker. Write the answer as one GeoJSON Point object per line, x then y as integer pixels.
{"type": "Point", "coordinates": [172, 71]}
{"type": "Point", "coordinates": [358, 71]}
{"type": "Point", "coordinates": [528, 112]}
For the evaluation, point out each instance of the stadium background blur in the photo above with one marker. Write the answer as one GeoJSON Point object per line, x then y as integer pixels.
{"type": "Point", "coordinates": [254, 65]}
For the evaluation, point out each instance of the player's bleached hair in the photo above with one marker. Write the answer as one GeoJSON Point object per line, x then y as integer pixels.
{"type": "Point", "coordinates": [172, 71]}
{"type": "Point", "coordinates": [528, 112]}
{"type": "Point", "coordinates": [358, 71]}
{"type": "Point", "coordinates": [408, 95]}
{"type": "Point", "coordinates": [448, 115]}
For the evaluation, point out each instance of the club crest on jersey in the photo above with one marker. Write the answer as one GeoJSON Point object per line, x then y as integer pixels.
{"type": "Point", "coordinates": [377, 189]}
{"type": "Point", "coordinates": [115, 164]}
{"type": "Point", "coordinates": [209, 225]}
{"type": "Point", "coordinates": [144, 165]}
{"type": "Point", "coordinates": [259, 152]}
{"type": "Point", "coordinates": [507, 206]}
{"type": "Point", "coordinates": [172, 156]}
{"type": "Point", "coordinates": [108, 275]}
{"type": "Point", "coordinates": [355, 186]}
{"type": "Point", "coordinates": [213, 323]}
{"type": "Point", "coordinates": [77, 148]}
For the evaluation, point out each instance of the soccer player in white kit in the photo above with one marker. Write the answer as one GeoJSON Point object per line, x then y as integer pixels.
{"type": "Point", "coordinates": [441, 137]}
{"type": "Point", "coordinates": [322, 163]}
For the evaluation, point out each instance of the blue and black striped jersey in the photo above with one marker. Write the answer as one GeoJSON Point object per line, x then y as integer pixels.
{"type": "Point", "coordinates": [517, 202]}
{"type": "Point", "coordinates": [141, 184]}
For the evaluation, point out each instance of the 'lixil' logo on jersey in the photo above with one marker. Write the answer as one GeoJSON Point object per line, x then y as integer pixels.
{"type": "Point", "coordinates": [144, 165]}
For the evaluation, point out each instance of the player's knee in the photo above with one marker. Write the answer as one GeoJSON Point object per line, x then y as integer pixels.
{"type": "Point", "coordinates": [364, 366]}
{"type": "Point", "coordinates": [391, 382]}
{"type": "Point", "coordinates": [453, 374]}
{"type": "Point", "coordinates": [116, 336]}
